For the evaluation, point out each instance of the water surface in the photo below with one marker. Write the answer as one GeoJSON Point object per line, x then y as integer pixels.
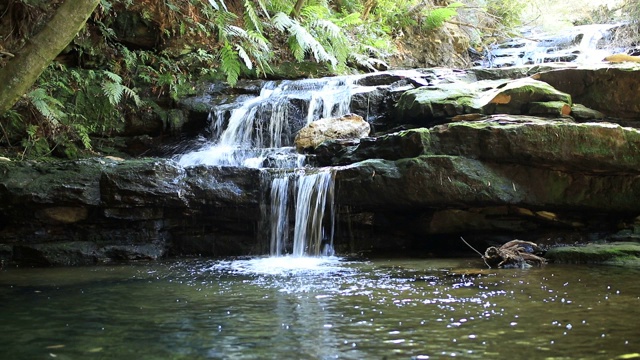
{"type": "Point", "coordinates": [318, 308]}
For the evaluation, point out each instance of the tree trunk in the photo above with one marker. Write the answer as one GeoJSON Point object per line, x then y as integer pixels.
{"type": "Point", "coordinates": [295, 12]}
{"type": "Point", "coordinates": [23, 70]}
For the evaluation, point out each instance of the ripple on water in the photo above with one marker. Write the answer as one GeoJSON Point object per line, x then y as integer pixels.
{"type": "Point", "coordinates": [320, 308]}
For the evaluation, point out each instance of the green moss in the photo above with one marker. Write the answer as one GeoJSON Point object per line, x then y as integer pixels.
{"type": "Point", "coordinates": [620, 253]}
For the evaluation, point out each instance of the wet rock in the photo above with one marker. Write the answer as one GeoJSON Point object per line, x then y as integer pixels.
{"type": "Point", "coordinates": [389, 147]}
{"type": "Point", "coordinates": [437, 181]}
{"type": "Point", "coordinates": [56, 254]}
{"type": "Point", "coordinates": [101, 210]}
{"type": "Point", "coordinates": [525, 140]}
{"type": "Point", "coordinates": [549, 108]}
{"type": "Point", "coordinates": [142, 183]}
{"type": "Point", "coordinates": [65, 214]}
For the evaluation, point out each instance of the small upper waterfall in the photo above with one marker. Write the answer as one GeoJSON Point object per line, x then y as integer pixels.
{"type": "Point", "coordinates": [259, 132]}
{"type": "Point", "coordinates": [580, 44]}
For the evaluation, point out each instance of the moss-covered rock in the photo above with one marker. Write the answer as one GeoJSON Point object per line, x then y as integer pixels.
{"type": "Point", "coordinates": [617, 253]}
{"type": "Point", "coordinates": [428, 105]}
{"type": "Point", "coordinates": [612, 90]}
{"type": "Point", "coordinates": [554, 143]}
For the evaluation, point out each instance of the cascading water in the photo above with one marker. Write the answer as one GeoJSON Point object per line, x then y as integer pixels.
{"type": "Point", "coordinates": [259, 133]}
{"type": "Point", "coordinates": [581, 44]}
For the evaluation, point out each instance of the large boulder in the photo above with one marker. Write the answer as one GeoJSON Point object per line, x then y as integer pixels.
{"type": "Point", "coordinates": [344, 127]}
{"type": "Point", "coordinates": [429, 105]}
{"type": "Point", "coordinates": [612, 90]}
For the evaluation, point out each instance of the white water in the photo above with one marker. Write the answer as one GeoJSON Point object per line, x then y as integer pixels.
{"type": "Point", "coordinates": [261, 129]}
{"type": "Point", "coordinates": [584, 44]}
{"type": "Point", "coordinates": [304, 196]}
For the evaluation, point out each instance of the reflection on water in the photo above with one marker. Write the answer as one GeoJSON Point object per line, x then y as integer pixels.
{"type": "Point", "coordinates": [318, 308]}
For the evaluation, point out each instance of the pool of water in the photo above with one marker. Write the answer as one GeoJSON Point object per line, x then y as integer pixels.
{"type": "Point", "coordinates": [319, 308]}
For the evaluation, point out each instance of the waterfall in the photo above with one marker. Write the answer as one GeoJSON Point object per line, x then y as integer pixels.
{"type": "Point", "coordinates": [581, 44]}
{"type": "Point", "coordinates": [258, 132]}
{"type": "Point", "coordinates": [307, 196]}
{"type": "Point", "coordinates": [314, 199]}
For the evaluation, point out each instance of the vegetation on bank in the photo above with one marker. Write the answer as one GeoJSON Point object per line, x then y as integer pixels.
{"type": "Point", "coordinates": [134, 59]}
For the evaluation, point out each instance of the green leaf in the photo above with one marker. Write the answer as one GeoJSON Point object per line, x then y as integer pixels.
{"type": "Point", "coordinates": [113, 91]}
{"type": "Point", "coordinates": [46, 105]}
{"type": "Point", "coordinates": [230, 64]}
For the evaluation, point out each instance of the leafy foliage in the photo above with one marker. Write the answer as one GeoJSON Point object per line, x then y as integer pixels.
{"type": "Point", "coordinates": [437, 17]}
{"type": "Point", "coordinates": [106, 77]}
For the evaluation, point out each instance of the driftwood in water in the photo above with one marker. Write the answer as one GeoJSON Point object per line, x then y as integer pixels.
{"type": "Point", "coordinates": [514, 254]}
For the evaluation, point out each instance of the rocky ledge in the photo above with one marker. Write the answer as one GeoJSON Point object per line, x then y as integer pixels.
{"type": "Point", "coordinates": [490, 160]}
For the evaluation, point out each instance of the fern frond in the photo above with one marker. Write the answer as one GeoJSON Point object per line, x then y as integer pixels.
{"type": "Point", "coordinates": [113, 91]}
{"type": "Point", "coordinates": [263, 7]}
{"type": "Point", "coordinates": [281, 21]}
{"type": "Point", "coordinates": [215, 5]}
{"type": "Point", "coordinates": [133, 95]}
{"type": "Point", "coordinates": [333, 30]}
{"type": "Point", "coordinates": [258, 41]}
{"type": "Point", "coordinates": [229, 64]}
{"type": "Point", "coordinates": [251, 18]}
{"type": "Point", "coordinates": [301, 40]}
{"type": "Point", "coordinates": [314, 12]}
{"type": "Point", "coordinates": [113, 77]}
{"type": "Point", "coordinates": [244, 56]}
{"type": "Point", "coordinates": [370, 63]}
{"type": "Point", "coordinates": [233, 30]}
{"type": "Point", "coordinates": [437, 17]}
{"type": "Point", "coordinates": [83, 134]}
{"type": "Point", "coordinates": [352, 19]}
{"type": "Point", "coordinates": [46, 105]}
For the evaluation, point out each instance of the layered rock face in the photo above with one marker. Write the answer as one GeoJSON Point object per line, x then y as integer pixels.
{"type": "Point", "coordinates": [90, 211]}
{"type": "Point", "coordinates": [488, 155]}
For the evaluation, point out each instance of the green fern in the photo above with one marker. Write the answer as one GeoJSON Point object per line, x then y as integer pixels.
{"type": "Point", "coordinates": [229, 63]}
{"type": "Point", "coordinates": [114, 90]}
{"type": "Point", "coordinates": [251, 18]}
{"type": "Point", "coordinates": [437, 17]}
{"type": "Point", "coordinates": [217, 6]}
{"type": "Point", "coordinates": [83, 134]}
{"type": "Point", "coordinates": [46, 105]}
{"type": "Point", "coordinates": [300, 40]}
